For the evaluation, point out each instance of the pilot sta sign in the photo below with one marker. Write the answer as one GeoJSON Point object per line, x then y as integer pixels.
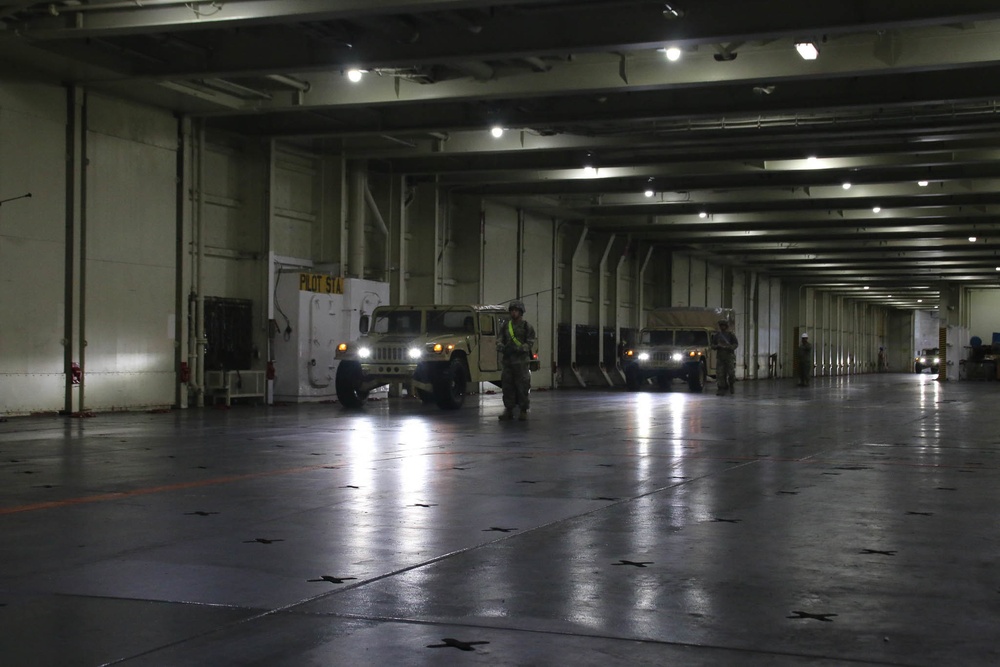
{"type": "Point", "coordinates": [323, 284]}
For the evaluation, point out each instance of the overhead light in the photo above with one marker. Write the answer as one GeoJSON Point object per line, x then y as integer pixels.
{"type": "Point", "coordinates": [496, 131]}
{"type": "Point", "coordinates": [846, 186]}
{"type": "Point", "coordinates": [922, 184]}
{"type": "Point", "coordinates": [998, 268]}
{"type": "Point", "coordinates": [972, 239]}
{"type": "Point", "coordinates": [807, 50]}
{"type": "Point", "coordinates": [920, 300]}
{"type": "Point", "coordinates": [354, 75]}
{"type": "Point", "coordinates": [703, 215]}
{"type": "Point", "coordinates": [590, 171]}
{"type": "Point", "coordinates": [648, 193]}
{"type": "Point", "coordinates": [876, 209]}
{"type": "Point", "coordinates": [867, 287]}
{"type": "Point", "coordinates": [673, 53]}
{"type": "Point", "coordinates": [812, 159]}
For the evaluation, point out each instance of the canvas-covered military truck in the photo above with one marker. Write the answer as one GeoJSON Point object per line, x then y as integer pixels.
{"type": "Point", "coordinates": [438, 351]}
{"type": "Point", "coordinates": [675, 344]}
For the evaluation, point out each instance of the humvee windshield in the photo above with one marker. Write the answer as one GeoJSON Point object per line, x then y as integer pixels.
{"type": "Point", "coordinates": [396, 322]}
{"type": "Point", "coordinates": [675, 337]}
{"type": "Point", "coordinates": [450, 321]}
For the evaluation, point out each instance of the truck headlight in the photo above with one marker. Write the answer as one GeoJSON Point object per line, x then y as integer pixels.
{"type": "Point", "coordinates": [644, 356]}
{"type": "Point", "coordinates": [922, 360]}
{"type": "Point", "coordinates": [364, 352]}
{"type": "Point", "coordinates": [937, 360]}
{"type": "Point", "coordinates": [415, 353]}
{"type": "Point", "coordinates": [677, 356]}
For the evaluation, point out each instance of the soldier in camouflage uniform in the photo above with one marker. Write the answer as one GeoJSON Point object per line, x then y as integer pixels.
{"type": "Point", "coordinates": [725, 343]}
{"type": "Point", "coordinates": [516, 343]}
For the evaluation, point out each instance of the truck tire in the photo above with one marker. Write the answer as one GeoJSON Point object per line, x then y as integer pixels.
{"type": "Point", "coordinates": [697, 378]}
{"type": "Point", "coordinates": [632, 379]}
{"type": "Point", "coordinates": [449, 386]}
{"type": "Point", "coordinates": [348, 382]}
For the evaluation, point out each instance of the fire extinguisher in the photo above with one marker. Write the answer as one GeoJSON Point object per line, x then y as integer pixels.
{"type": "Point", "coordinates": [270, 370]}
{"type": "Point", "coordinates": [185, 374]}
{"type": "Point", "coordinates": [77, 373]}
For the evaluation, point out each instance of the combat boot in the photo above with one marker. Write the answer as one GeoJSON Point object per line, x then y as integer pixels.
{"type": "Point", "coordinates": [523, 416]}
{"type": "Point", "coordinates": [506, 415]}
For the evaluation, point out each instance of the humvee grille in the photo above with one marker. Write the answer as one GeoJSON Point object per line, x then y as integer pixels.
{"type": "Point", "coordinates": [390, 354]}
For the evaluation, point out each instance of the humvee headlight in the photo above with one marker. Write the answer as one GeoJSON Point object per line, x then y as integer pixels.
{"type": "Point", "coordinates": [923, 360]}
{"type": "Point", "coordinates": [415, 353]}
{"type": "Point", "coordinates": [677, 356]}
{"type": "Point", "coordinates": [937, 360]}
{"type": "Point", "coordinates": [644, 356]}
{"type": "Point", "coordinates": [364, 352]}
{"type": "Point", "coordinates": [342, 347]}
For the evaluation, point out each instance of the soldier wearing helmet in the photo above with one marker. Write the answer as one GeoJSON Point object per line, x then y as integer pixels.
{"type": "Point", "coordinates": [805, 354]}
{"type": "Point", "coordinates": [725, 343]}
{"type": "Point", "coordinates": [516, 344]}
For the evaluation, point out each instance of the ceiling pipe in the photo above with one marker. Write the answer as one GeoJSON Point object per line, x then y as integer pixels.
{"type": "Point", "coordinates": [290, 81]}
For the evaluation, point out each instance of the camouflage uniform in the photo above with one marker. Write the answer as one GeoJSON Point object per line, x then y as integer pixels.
{"type": "Point", "coordinates": [725, 344]}
{"type": "Point", "coordinates": [515, 378]}
{"type": "Point", "coordinates": [805, 361]}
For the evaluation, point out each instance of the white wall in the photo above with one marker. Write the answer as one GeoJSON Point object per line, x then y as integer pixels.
{"type": "Point", "coordinates": [32, 247]}
{"type": "Point", "coordinates": [983, 307]}
{"type": "Point", "coordinates": [130, 255]}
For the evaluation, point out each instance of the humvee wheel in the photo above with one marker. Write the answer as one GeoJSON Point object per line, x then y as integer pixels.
{"type": "Point", "coordinates": [449, 386]}
{"type": "Point", "coordinates": [632, 378]}
{"type": "Point", "coordinates": [696, 380]}
{"type": "Point", "coordinates": [348, 380]}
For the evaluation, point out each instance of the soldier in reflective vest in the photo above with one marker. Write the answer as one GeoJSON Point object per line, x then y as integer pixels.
{"type": "Point", "coordinates": [516, 344]}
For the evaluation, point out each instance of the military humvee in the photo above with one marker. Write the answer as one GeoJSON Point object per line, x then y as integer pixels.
{"type": "Point", "coordinates": [675, 344]}
{"type": "Point", "coordinates": [436, 350]}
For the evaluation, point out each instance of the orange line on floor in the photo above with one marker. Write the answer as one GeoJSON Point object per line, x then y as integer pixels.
{"type": "Point", "coordinates": [118, 495]}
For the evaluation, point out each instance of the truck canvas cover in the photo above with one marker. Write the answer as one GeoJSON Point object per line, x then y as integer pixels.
{"type": "Point", "coordinates": [668, 318]}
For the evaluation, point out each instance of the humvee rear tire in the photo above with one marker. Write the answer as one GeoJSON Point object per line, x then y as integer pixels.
{"type": "Point", "coordinates": [449, 386]}
{"type": "Point", "coordinates": [696, 380]}
{"type": "Point", "coordinates": [348, 382]}
{"type": "Point", "coordinates": [632, 380]}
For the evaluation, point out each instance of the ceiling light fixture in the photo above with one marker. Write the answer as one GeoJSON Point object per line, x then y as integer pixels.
{"type": "Point", "coordinates": [673, 53]}
{"type": "Point", "coordinates": [972, 239]}
{"type": "Point", "coordinates": [846, 186]}
{"type": "Point", "coordinates": [876, 209]}
{"type": "Point", "coordinates": [354, 75]}
{"type": "Point", "coordinates": [589, 171]}
{"type": "Point", "coordinates": [922, 184]}
{"type": "Point", "coordinates": [808, 50]}
{"type": "Point", "coordinates": [496, 131]}
{"type": "Point", "coordinates": [867, 287]}
{"type": "Point", "coordinates": [648, 193]}
{"type": "Point", "coordinates": [703, 215]}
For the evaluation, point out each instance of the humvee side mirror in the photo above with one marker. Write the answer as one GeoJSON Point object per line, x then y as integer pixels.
{"type": "Point", "coordinates": [363, 324]}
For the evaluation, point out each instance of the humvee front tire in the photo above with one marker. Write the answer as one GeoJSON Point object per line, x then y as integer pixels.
{"type": "Point", "coordinates": [449, 386]}
{"type": "Point", "coordinates": [632, 378]}
{"type": "Point", "coordinates": [348, 380]}
{"type": "Point", "coordinates": [697, 378]}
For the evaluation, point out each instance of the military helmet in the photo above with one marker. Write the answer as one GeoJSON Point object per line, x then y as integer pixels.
{"type": "Point", "coordinates": [516, 304]}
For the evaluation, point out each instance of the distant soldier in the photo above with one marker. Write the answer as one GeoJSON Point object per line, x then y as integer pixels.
{"type": "Point", "coordinates": [725, 343]}
{"type": "Point", "coordinates": [805, 360]}
{"type": "Point", "coordinates": [516, 343]}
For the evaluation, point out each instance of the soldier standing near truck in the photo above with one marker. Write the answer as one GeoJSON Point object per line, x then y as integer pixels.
{"type": "Point", "coordinates": [725, 343]}
{"type": "Point", "coordinates": [516, 342]}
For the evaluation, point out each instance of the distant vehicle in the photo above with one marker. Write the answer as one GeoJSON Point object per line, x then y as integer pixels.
{"type": "Point", "coordinates": [926, 359]}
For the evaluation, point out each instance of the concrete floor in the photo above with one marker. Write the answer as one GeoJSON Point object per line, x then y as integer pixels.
{"type": "Point", "coordinates": [853, 522]}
